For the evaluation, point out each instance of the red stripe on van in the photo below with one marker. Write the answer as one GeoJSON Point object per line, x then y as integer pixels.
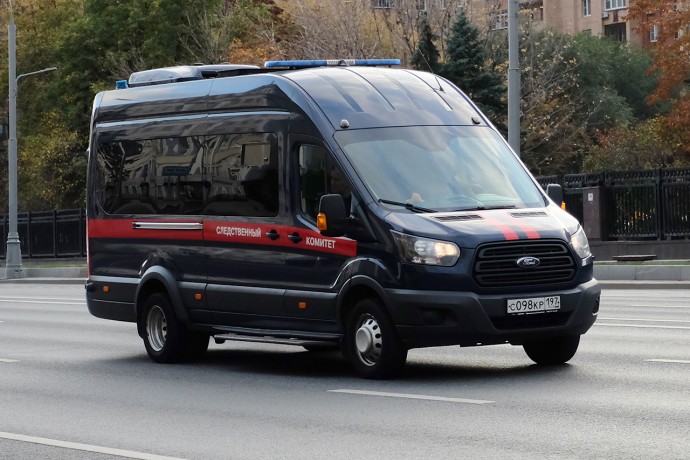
{"type": "Point", "coordinates": [302, 238]}
{"type": "Point", "coordinates": [508, 232]}
{"type": "Point", "coordinates": [225, 231]}
{"type": "Point", "coordinates": [123, 228]}
{"type": "Point", "coordinates": [529, 231]}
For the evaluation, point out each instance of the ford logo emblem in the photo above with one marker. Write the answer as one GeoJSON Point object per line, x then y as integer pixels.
{"type": "Point", "coordinates": [527, 262]}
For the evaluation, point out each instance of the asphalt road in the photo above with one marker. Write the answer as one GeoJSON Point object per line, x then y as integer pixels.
{"type": "Point", "coordinates": [74, 386]}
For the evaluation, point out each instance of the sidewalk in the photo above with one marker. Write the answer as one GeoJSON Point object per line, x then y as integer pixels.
{"type": "Point", "coordinates": [648, 275]}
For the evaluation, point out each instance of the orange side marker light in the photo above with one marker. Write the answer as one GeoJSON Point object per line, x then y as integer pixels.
{"type": "Point", "coordinates": [302, 305]}
{"type": "Point", "coordinates": [106, 288]}
{"type": "Point", "coordinates": [563, 205]}
{"type": "Point", "coordinates": [321, 223]}
{"type": "Point", "coordinates": [198, 296]}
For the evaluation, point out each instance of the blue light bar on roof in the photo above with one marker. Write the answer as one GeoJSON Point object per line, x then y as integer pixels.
{"type": "Point", "coordinates": [331, 63]}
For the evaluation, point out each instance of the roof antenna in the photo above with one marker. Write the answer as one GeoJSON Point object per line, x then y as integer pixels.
{"type": "Point", "coordinates": [431, 71]}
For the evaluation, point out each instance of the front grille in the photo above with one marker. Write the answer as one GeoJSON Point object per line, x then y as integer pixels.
{"type": "Point", "coordinates": [533, 321]}
{"type": "Point", "coordinates": [495, 264]}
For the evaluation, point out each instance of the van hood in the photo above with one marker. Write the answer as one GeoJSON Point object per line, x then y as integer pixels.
{"type": "Point", "coordinates": [470, 228]}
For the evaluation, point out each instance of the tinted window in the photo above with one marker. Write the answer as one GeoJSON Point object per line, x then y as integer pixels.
{"type": "Point", "coordinates": [243, 174]}
{"type": "Point", "coordinates": [319, 175]}
{"type": "Point", "coordinates": [152, 176]}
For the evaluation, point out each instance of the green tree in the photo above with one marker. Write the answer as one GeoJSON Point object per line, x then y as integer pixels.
{"type": "Point", "coordinates": [426, 56]}
{"type": "Point", "coordinates": [466, 66]}
{"type": "Point", "coordinates": [613, 81]}
{"type": "Point", "coordinates": [645, 145]}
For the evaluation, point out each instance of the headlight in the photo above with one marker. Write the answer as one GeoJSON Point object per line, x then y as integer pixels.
{"type": "Point", "coordinates": [579, 242]}
{"type": "Point", "coordinates": [418, 250]}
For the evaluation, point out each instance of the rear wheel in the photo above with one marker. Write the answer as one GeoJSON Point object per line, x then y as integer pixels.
{"type": "Point", "coordinates": [371, 342]}
{"type": "Point", "coordinates": [166, 339]}
{"type": "Point", "coordinates": [557, 350]}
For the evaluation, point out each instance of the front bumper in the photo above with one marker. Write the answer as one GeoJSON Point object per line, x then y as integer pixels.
{"type": "Point", "coordinates": [432, 318]}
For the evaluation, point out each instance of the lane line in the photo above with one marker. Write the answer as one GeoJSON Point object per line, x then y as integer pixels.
{"type": "Point", "coordinates": [84, 447]}
{"type": "Point", "coordinates": [650, 320]}
{"type": "Point", "coordinates": [15, 297]}
{"type": "Point", "coordinates": [640, 326]}
{"type": "Point", "coordinates": [44, 302]}
{"type": "Point", "coordinates": [674, 361]}
{"type": "Point", "coordinates": [2, 360]}
{"type": "Point", "coordinates": [626, 307]}
{"type": "Point", "coordinates": [411, 396]}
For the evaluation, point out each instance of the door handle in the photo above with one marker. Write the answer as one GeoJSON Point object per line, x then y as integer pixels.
{"type": "Point", "coordinates": [273, 235]}
{"type": "Point", "coordinates": [294, 237]}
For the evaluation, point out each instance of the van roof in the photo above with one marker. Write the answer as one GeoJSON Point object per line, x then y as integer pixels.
{"type": "Point", "coordinates": [366, 97]}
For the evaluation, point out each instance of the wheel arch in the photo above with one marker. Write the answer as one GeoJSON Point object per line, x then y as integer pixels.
{"type": "Point", "coordinates": [159, 279]}
{"type": "Point", "coordinates": [356, 289]}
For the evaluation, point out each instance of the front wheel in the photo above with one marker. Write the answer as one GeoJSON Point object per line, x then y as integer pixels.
{"type": "Point", "coordinates": [557, 350]}
{"type": "Point", "coordinates": [371, 342]}
{"type": "Point", "coordinates": [166, 339]}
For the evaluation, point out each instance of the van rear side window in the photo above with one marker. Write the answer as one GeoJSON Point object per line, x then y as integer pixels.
{"type": "Point", "coordinates": [231, 174]}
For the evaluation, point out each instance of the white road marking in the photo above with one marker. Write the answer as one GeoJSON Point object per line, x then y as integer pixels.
{"type": "Point", "coordinates": [67, 302]}
{"type": "Point", "coordinates": [412, 396]}
{"type": "Point", "coordinates": [2, 360]}
{"type": "Point", "coordinates": [84, 447]}
{"type": "Point", "coordinates": [614, 307]}
{"type": "Point", "coordinates": [641, 326]}
{"type": "Point", "coordinates": [16, 297]}
{"type": "Point", "coordinates": [644, 319]}
{"type": "Point", "coordinates": [674, 361]}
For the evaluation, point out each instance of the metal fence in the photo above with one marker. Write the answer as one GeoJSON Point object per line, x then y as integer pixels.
{"type": "Point", "coordinates": [638, 205]}
{"type": "Point", "coordinates": [48, 234]}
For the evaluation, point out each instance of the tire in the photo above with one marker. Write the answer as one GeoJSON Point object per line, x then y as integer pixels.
{"type": "Point", "coordinates": [557, 350]}
{"type": "Point", "coordinates": [371, 342]}
{"type": "Point", "coordinates": [166, 339]}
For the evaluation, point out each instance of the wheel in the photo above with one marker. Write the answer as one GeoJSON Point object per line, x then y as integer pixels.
{"type": "Point", "coordinates": [165, 338]}
{"type": "Point", "coordinates": [557, 350]}
{"type": "Point", "coordinates": [371, 342]}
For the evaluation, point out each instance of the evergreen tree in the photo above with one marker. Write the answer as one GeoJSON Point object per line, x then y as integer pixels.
{"type": "Point", "coordinates": [466, 67]}
{"type": "Point", "coordinates": [426, 56]}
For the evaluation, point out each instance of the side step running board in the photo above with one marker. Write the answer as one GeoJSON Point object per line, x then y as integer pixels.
{"type": "Point", "coordinates": [220, 338]}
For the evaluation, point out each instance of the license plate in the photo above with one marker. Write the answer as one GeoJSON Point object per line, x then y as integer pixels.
{"type": "Point", "coordinates": [534, 305]}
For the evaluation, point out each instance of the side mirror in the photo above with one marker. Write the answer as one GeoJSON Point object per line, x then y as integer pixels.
{"type": "Point", "coordinates": [555, 192]}
{"type": "Point", "coordinates": [332, 219]}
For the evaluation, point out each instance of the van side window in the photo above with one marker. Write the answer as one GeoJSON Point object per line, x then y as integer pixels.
{"type": "Point", "coordinates": [243, 174]}
{"type": "Point", "coordinates": [151, 176]}
{"type": "Point", "coordinates": [319, 175]}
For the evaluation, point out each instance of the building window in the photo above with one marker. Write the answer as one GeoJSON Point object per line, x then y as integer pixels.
{"type": "Point", "coordinates": [499, 20]}
{"type": "Point", "coordinates": [421, 5]}
{"type": "Point", "coordinates": [614, 4]}
{"type": "Point", "coordinates": [654, 33]}
{"type": "Point", "coordinates": [586, 8]}
{"type": "Point", "coordinates": [442, 4]}
{"type": "Point", "coordinates": [382, 3]}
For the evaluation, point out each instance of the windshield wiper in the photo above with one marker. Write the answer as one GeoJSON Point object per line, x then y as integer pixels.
{"type": "Point", "coordinates": [409, 206]}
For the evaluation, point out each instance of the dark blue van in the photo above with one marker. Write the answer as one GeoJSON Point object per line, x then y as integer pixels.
{"type": "Point", "coordinates": [323, 203]}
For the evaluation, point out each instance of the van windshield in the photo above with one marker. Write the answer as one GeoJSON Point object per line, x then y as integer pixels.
{"type": "Point", "coordinates": [439, 168]}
